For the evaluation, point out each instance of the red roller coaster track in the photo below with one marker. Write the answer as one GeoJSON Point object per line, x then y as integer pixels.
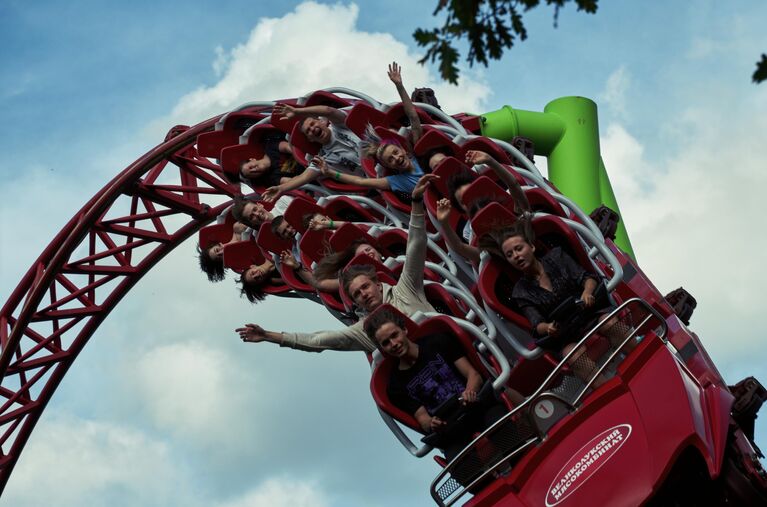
{"type": "Point", "coordinates": [121, 233]}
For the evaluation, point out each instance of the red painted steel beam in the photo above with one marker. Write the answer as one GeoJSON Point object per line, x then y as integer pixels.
{"type": "Point", "coordinates": [32, 361]}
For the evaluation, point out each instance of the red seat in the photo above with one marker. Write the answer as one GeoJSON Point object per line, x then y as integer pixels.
{"type": "Point", "coordinates": [396, 116]}
{"type": "Point", "coordinates": [313, 246]}
{"type": "Point", "coordinates": [541, 200]}
{"type": "Point", "coordinates": [497, 278]}
{"type": "Point", "coordinates": [486, 145]}
{"type": "Point", "coordinates": [347, 234]}
{"type": "Point", "coordinates": [296, 211]}
{"type": "Point", "coordinates": [210, 144]}
{"type": "Point", "coordinates": [494, 216]}
{"type": "Point", "coordinates": [232, 156]}
{"type": "Point", "coordinates": [268, 241]}
{"type": "Point", "coordinates": [240, 256]}
{"type": "Point", "coordinates": [303, 149]}
{"type": "Point", "coordinates": [485, 188]}
{"type": "Point", "coordinates": [362, 114]}
{"type": "Point", "coordinates": [349, 210]}
{"type": "Point", "coordinates": [434, 139]}
{"type": "Point", "coordinates": [213, 234]}
{"type": "Point", "coordinates": [438, 189]}
{"type": "Point", "coordinates": [380, 377]}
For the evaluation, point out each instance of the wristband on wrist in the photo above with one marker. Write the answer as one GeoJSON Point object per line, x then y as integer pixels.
{"type": "Point", "coordinates": [331, 225]}
{"type": "Point", "coordinates": [337, 177]}
{"type": "Point", "coordinates": [416, 199]}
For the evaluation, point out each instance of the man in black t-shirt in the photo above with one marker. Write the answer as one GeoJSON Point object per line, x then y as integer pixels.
{"type": "Point", "coordinates": [428, 374]}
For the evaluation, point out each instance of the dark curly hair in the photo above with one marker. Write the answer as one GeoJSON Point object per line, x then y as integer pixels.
{"type": "Point", "coordinates": [214, 268]}
{"type": "Point", "coordinates": [253, 291]}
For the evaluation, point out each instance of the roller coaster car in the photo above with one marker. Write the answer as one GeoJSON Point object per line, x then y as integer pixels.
{"type": "Point", "coordinates": [653, 419]}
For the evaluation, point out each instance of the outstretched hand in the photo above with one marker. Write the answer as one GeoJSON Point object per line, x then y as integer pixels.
{"type": "Point", "coordinates": [475, 157]}
{"type": "Point", "coordinates": [288, 260]}
{"type": "Point", "coordinates": [239, 228]}
{"type": "Point", "coordinates": [252, 333]}
{"type": "Point", "coordinates": [395, 73]}
{"type": "Point", "coordinates": [424, 182]}
{"type": "Point", "coordinates": [271, 194]}
{"type": "Point", "coordinates": [322, 166]}
{"type": "Point", "coordinates": [443, 210]}
{"type": "Point", "coordinates": [284, 111]}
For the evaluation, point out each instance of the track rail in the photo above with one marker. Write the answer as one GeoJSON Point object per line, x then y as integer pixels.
{"type": "Point", "coordinates": [100, 254]}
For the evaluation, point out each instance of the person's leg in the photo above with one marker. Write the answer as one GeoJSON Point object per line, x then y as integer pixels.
{"type": "Point", "coordinates": [616, 332]}
{"type": "Point", "coordinates": [582, 365]}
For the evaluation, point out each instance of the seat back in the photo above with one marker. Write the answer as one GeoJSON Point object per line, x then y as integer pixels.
{"type": "Point", "coordinates": [362, 114]}
{"type": "Point", "coordinates": [268, 241]}
{"type": "Point", "coordinates": [486, 145]}
{"type": "Point", "coordinates": [434, 139]}
{"type": "Point", "coordinates": [212, 234]}
{"type": "Point", "coordinates": [210, 144]}
{"type": "Point", "coordinates": [296, 211]}
{"type": "Point", "coordinates": [347, 234]}
{"type": "Point", "coordinates": [485, 188]}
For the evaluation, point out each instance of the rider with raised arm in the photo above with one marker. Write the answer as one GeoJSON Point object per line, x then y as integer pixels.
{"type": "Point", "coordinates": [389, 152]}
{"type": "Point", "coordinates": [458, 185]}
{"type": "Point", "coordinates": [362, 283]}
{"type": "Point", "coordinates": [324, 125]}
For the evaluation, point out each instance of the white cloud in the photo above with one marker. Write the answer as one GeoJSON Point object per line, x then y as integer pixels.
{"type": "Point", "coordinates": [281, 492]}
{"type": "Point", "coordinates": [289, 57]}
{"type": "Point", "coordinates": [694, 217]}
{"type": "Point", "coordinates": [614, 93]}
{"type": "Point", "coordinates": [221, 62]}
{"type": "Point", "coordinates": [192, 393]}
{"type": "Point", "coordinates": [72, 462]}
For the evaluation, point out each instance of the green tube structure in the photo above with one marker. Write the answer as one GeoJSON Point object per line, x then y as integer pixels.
{"type": "Point", "coordinates": [567, 133]}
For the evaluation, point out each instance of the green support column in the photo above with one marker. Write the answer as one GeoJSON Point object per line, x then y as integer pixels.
{"type": "Point", "coordinates": [567, 133]}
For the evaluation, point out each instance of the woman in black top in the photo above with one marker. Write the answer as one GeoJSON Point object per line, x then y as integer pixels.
{"type": "Point", "coordinates": [546, 283]}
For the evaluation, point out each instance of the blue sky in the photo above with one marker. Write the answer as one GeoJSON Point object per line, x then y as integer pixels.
{"type": "Point", "coordinates": [165, 406]}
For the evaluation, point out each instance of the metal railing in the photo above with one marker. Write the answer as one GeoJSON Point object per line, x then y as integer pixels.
{"type": "Point", "coordinates": [446, 489]}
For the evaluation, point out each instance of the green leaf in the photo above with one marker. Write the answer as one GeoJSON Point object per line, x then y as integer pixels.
{"type": "Point", "coordinates": [760, 74]}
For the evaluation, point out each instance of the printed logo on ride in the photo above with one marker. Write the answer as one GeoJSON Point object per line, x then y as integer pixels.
{"type": "Point", "coordinates": [586, 462]}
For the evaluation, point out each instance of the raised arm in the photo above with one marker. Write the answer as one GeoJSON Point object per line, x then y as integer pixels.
{"type": "Point", "coordinates": [455, 243]}
{"type": "Point", "coordinates": [273, 193]}
{"type": "Point", "coordinates": [521, 204]}
{"type": "Point", "coordinates": [395, 74]}
{"type": "Point", "coordinates": [415, 251]}
{"type": "Point", "coordinates": [350, 338]}
{"type": "Point", "coordinates": [286, 112]}
{"type": "Point", "coordinates": [350, 179]}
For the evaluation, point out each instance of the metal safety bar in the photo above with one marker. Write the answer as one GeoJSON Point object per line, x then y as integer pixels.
{"type": "Point", "coordinates": [352, 93]}
{"type": "Point", "coordinates": [263, 103]}
{"type": "Point", "coordinates": [544, 385]}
